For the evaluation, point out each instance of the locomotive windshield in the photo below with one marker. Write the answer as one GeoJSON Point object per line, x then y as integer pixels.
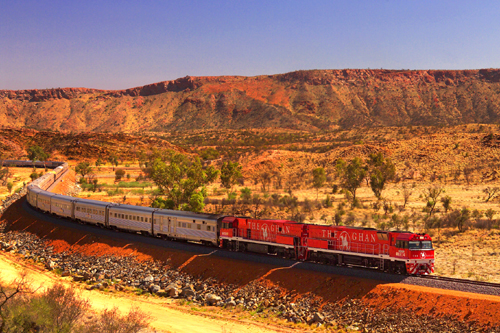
{"type": "Point", "coordinates": [420, 245]}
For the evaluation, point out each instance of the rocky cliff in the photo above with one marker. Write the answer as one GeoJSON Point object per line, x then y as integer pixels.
{"type": "Point", "coordinates": [306, 100]}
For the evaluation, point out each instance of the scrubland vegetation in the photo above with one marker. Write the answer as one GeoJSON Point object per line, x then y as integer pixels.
{"type": "Point", "coordinates": [439, 180]}
{"type": "Point", "coordinates": [59, 309]}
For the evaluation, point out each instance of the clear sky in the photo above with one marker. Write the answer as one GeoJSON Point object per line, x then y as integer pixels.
{"type": "Point", "coordinates": [122, 44]}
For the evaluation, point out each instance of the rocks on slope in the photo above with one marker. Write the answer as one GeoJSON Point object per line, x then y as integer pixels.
{"type": "Point", "coordinates": [307, 100]}
{"type": "Point", "coordinates": [126, 273]}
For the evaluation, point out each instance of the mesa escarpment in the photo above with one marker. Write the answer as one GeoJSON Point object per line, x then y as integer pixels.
{"type": "Point", "coordinates": [304, 100]}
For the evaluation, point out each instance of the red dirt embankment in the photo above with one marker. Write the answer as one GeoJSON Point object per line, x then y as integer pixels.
{"type": "Point", "coordinates": [480, 309]}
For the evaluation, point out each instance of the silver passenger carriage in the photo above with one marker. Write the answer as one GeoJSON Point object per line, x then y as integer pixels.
{"type": "Point", "coordinates": [43, 200]}
{"type": "Point", "coordinates": [63, 205]}
{"type": "Point", "coordinates": [32, 195]}
{"type": "Point", "coordinates": [186, 226]}
{"type": "Point", "coordinates": [132, 218]}
{"type": "Point", "coordinates": [92, 211]}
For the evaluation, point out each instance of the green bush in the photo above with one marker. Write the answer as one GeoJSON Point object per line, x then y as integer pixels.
{"type": "Point", "coordinates": [59, 309]}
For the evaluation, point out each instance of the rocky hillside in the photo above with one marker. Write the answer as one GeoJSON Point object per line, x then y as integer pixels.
{"type": "Point", "coordinates": [305, 100]}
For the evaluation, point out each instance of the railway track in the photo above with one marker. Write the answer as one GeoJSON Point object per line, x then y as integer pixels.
{"type": "Point", "coordinates": [441, 282]}
{"type": "Point", "coordinates": [463, 281]}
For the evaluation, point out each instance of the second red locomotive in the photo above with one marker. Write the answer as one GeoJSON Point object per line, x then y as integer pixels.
{"type": "Point", "coordinates": [392, 251]}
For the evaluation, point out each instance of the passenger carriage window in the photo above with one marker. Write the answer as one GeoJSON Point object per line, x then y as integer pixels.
{"type": "Point", "coordinates": [198, 227]}
{"type": "Point", "coordinates": [208, 228]}
{"type": "Point", "coordinates": [189, 226]}
{"type": "Point", "coordinates": [142, 219]}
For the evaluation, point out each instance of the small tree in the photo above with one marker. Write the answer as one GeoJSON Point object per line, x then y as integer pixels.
{"type": "Point", "coordinates": [246, 193]}
{"type": "Point", "coordinates": [113, 160]}
{"type": "Point", "coordinates": [468, 174]}
{"type": "Point", "coordinates": [36, 153]}
{"type": "Point", "coordinates": [381, 171]}
{"type": "Point", "coordinates": [351, 176]}
{"type": "Point", "coordinates": [431, 195]}
{"type": "Point", "coordinates": [339, 212]}
{"type": "Point", "coordinates": [407, 192]}
{"type": "Point", "coordinates": [119, 173]}
{"type": "Point", "coordinates": [10, 185]}
{"type": "Point", "coordinates": [4, 175]}
{"type": "Point", "coordinates": [491, 193]}
{"type": "Point", "coordinates": [490, 213]}
{"type": "Point", "coordinates": [463, 218]}
{"type": "Point", "coordinates": [230, 172]}
{"type": "Point", "coordinates": [446, 201]}
{"type": "Point", "coordinates": [319, 179]}
{"type": "Point", "coordinates": [84, 169]}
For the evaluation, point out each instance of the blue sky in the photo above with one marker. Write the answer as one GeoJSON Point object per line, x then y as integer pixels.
{"type": "Point", "coordinates": [122, 44]}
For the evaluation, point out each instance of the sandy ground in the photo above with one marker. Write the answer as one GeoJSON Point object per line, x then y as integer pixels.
{"type": "Point", "coordinates": [167, 317]}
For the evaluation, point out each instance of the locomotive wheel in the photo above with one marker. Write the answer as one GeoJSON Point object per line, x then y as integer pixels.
{"type": "Point", "coordinates": [365, 262]}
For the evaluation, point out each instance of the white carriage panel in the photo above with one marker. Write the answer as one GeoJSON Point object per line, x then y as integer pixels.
{"type": "Point", "coordinates": [90, 214]}
{"type": "Point", "coordinates": [187, 229]}
{"type": "Point", "coordinates": [130, 220]}
{"type": "Point", "coordinates": [62, 206]}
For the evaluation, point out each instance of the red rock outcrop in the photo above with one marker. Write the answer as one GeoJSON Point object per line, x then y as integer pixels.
{"type": "Point", "coordinates": [307, 100]}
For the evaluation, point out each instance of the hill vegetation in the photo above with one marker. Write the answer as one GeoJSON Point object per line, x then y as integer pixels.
{"type": "Point", "coordinates": [305, 100]}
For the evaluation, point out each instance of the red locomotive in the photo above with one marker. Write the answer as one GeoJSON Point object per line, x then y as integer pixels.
{"type": "Point", "coordinates": [392, 251]}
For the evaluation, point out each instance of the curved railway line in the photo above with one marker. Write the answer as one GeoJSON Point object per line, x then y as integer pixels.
{"type": "Point", "coordinates": [433, 281]}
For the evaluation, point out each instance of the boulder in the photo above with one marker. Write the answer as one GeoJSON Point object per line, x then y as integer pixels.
{"type": "Point", "coordinates": [212, 299]}
{"type": "Point", "coordinates": [78, 278]}
{"type": "Point", "coordinates": [188, 292]}
{"type": "Point", "coordinates": [154, 288]}
{"type": "Point", "coordinates": [318, 318]}
{"type": "Point", "coordinates": [172, 290]}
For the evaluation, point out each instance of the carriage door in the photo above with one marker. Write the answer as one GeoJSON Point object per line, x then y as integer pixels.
{"type": "Point", "coordinates": [173, 225]}
{"type": "Point", "coordinates": [161, 223]}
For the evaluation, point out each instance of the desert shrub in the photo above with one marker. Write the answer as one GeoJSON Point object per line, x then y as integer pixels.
{"type": "Point", "coordinates": [482, 224]}
{"type": "Point", "coordinates": [308, 205]}
{"type": "Point", "coordinates": [114, 192]}
{"type": "Point", "coordinates": [349, 221]}
{"type": "Point", "coordinates": [59, 309]}
{"type": "Point", "coordinates": [246, 193]}
{"type": "Point", "coordinates": [111, 321]}
{"type": "Point", "coordinates": [328, 201]}
{"type": "Point", "coordinates": [10, 185]}
{"type": "Point", "coordinates": [119, 173]}
{"type": "Point", "coordinates": [209, 154]}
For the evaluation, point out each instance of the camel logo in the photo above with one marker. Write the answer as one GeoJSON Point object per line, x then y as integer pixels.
{"type": "Point", "coordinates": [344, 241]}
{"type": "Point", "coordinates": [265, 231]}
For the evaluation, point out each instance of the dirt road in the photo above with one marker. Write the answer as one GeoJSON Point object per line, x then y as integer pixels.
{"type": "Point", "coordinates": [168, 317]}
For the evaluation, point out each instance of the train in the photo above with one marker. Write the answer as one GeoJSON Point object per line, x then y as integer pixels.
{"type": "Point", "coordinates": [400, 252]}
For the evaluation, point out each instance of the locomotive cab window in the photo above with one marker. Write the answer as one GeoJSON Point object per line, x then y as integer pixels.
{"type": "Point", "coordinates": [417, 245]}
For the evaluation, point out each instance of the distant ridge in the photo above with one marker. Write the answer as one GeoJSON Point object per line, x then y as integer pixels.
{"type": "Point", "coordinates": [303, 100]}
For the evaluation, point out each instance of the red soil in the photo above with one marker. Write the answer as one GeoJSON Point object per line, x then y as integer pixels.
{"type": "Point", "coordinates": [480, 309]}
